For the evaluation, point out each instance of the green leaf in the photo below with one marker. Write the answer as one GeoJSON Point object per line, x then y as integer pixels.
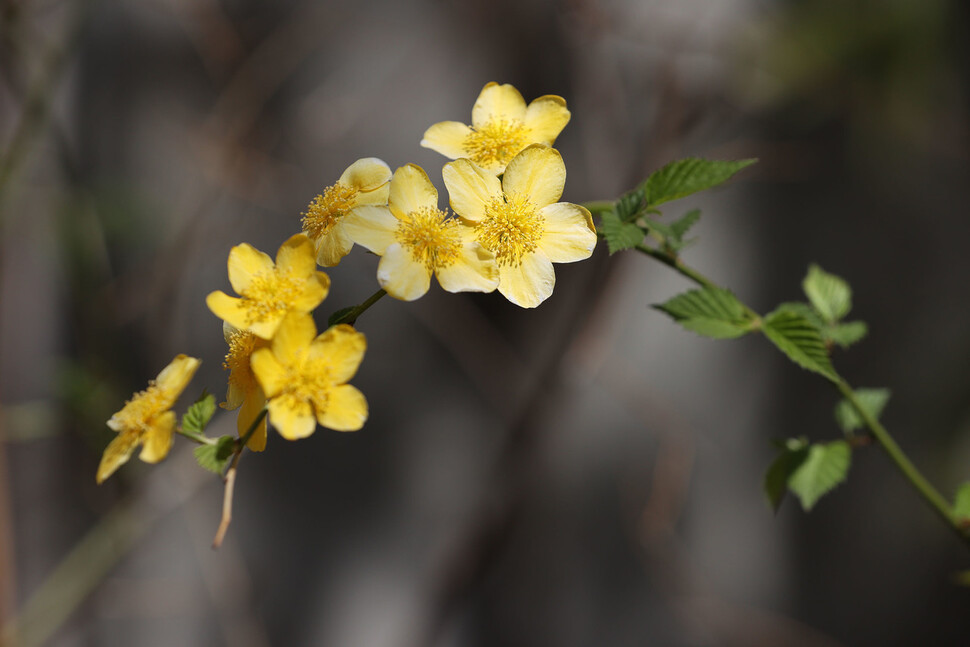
{"type": "Point", "coordinates": [775, 483]}
{"type": "Point", "coordinates": [338, 315]}
{"type": "Point", "coordinates": [830, 295]}
{"type": "Point", "coordinates": [629, 206]}
{"type": "Point", "coordinates": [824, 468]}
{"type": "Point", "coordinates": [961, 504]}
{"type": "Point", "coordinates": [683, 224]}
{"type": "Point", "coordinates": [796, 337]}
{"type": "Point", "coordinates": [872, 400]}
{"type": "Point", "coordinates": [619, 235]}
{"type": "Point", "coordinates": [684, 177]}
{"type": "Point", "coordinates": [712, 312]}
{"type": "Point", "coordinates": [215, 457]}
{"type": "Point", "coordinates": [846, 334]}
{"type": "Point", "coordinates": [199, 414]}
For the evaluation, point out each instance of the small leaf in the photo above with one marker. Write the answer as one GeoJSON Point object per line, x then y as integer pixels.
{"type": "Point", "coordinates": [872, 400]}
{"type": "Point", "coordinates": [824, 468]}
{"type": "Point", "coordinates": [684, 177]}
{"type": "Point", "coordinates": [796, 337]}
{"type": "Point", "coordinates": [619, 235]}
{"type": "Point", "coordinates": [215, 457]}
{"type": "Point", "coordinates": [199, 414]}
{"type": "Point", "coordinates": [712, 312]}
{"type": "Point", "coordinates": [775, 483]}
{"type": "Point", "coordinates": [338, 315]}
{"type": "Point", "coordinates": [629, 206]}
{"type": "Point", "coordinates": [846, 334]}
{"type": "Point", "coordinates": [682, 225]}
{"type": "Point", "coordinates": [961, 504]}
{"type": "Point", "coordinates": [830, 295]}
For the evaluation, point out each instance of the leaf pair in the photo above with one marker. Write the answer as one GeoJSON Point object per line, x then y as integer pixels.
{"type": "Point", "coordinates": [212, 455]}
{"type": "Point", "coordinates": [807, 471]}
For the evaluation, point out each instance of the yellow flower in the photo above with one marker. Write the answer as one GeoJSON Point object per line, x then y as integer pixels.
{"type": "Point", "coordinates": [304, 376]}
{"type": "Point", "coordinates": [364, 182]}
{"type": "Point", "coordinates": [519, 220]}
{"type": "Point", "coordinates": [244, 391]}
{"type": "Point", "coordinates": [268, 292]}
{"type": "Point", "coordinates": [502, 125]}
{"type": "Point", "coordinates": [147, 418]}
{"type": "Point", "coordinates": [415, 240]}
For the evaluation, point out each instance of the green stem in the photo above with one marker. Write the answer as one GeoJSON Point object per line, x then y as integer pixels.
{"type": "Point", "coordinates": [252, 429]}
{"type": "Point", "coordinates": [599, 206]}
{"type": "Point", "coordinates": [350, 317]}
{"type": "Point", "coordinates": [198, 438]}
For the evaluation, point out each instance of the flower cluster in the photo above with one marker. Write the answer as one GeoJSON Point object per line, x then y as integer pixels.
{"type": "Point", "coordinates": [508, 228]}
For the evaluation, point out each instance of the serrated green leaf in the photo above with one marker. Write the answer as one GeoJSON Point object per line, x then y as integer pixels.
{"type": "Point", "coordinates": [619, 235]}
{"type": "Point", "coordinates": [775, 483]}
{"type": "Point", "coordinates": [829, 294]}
{"type": "Point", "coordinates": [872, 400]}
{"type": "Point", "coordinates": [796, 337]}
{"type": "Point", "coordinates": [824, 468]}
{"type": "Point", "coordinates": [846, 334]}
{"type": "Point", "coordinates": [199, 414]}
{"type": "Point", "coordinates": [961, 504]}
{"type": "Point", "coordinates": [335, 318]}
{"type": "Point", "coordinates": [629, 206]}
{"type": "Point", "coordinates": [683, 224]}
{"type": "Point", "coordinates": [805, 311]}
{"type": "Point", "coordinates": [214, 457]}
{"type": "Point", "coordinates": [712, 312]}
{"type": "Point", "coordinates": [684, 177]}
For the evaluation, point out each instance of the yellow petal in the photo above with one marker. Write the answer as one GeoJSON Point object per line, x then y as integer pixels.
{"type": "Point", "coordinates": [545, 118]}
{"type": "Point", "coordinates": [498, 102]}
{"type": "Point", "coordinates": [269, 372]}
{"type": "Point", "coordinates": [378, 196]}
{"type": "Point", "coordinates": [568, 232]}
{"type": "Point", "coordinates": [371, 227]}
{"type": "Point", "coordinates": [538, 174]}
{"type": "Point", "coordinates": [402, 276]}
{"type": "Point", "coordinates": [158, 438]}
{"type": "Point", "coordinates": [229, 309]}
{"type": "Point", "coordinates": [530, 283]}
{"type": "Point", "coordinates": [411, 190]}
{"type": "Point", "coordinates": [314, 292]}
{"type": "Point", "coordinates": [245, 261]}
{"type": "Point", "coordinates": [296, 256]}
{"type": "Point", "coordinates": [116, 454]}
{"type": "Point", "coordinates": [475, 271]}
{"type": "Point", "coordinates": [343, 348]}
{"type": "Point", "coordinates": [470, 188]}
{"type": "Point", "coordinates": [292, 339]}
{"type": "Point", "coordinates": [346, 409]}
{"type": "Point", "coordinates": [235, 396]}
{"type": "Point", "coordinates": [447, 138]}
{"type": "Point", "coordinates": [333, 245]}
{"type": "Point", "coordinates": [366, 174]}
{"type": "Point", "coordinates": [176, 376]}
{"type": "Point", "coordinates": [251, 407]}
{"type": "Point", "coordinates": [292, 417]}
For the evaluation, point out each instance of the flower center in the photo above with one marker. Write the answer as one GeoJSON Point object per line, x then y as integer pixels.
{"type": "Point", "coordinates": [308, 380]}
{"type": "Point", "coordinates": [242, 343]}
{"type": "Point", "coordinates": [137, 414]}
{"type": "Point", "coordinates": [510, 229]}
{"type": "Point", "coordinates": [270, 294]}
{"type": "Point", "coordinates": [431, 237]}
{"type": "Point", "coordinates": [496, 142]}
{"type": "Point", "coordinates": [321, 214]}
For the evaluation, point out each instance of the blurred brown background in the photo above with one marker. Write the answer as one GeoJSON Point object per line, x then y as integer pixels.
{"type": "Point", "coordinates": [582, 474]}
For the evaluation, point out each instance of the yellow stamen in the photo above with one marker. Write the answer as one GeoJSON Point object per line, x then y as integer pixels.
{"type": "Point", "coordinates": [322, 214]}
{"type": "Point", "coordinates": [242, 343]}
{"type": "Point", "coordinates": [139, 412]}
{"type": "Point", "coordinates": [431, 237]}
{"type": "Point", "coordinates": [271, 293]}
{"type": "Point", "coordinates": [496, 142]}
{"type": "Point", "coordinates": [510, 229]}
{"type": "Point", "coordinates": [308, 381]}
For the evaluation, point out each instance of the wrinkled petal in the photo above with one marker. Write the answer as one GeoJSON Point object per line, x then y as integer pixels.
{"type": "Point", "coordinates": [529, 283]}
{"type": "Point", "coordinates": [447, 138]}
{"type": "Point", "coordinates": [377, 196]}
{"type": "Point", "coordinates": [292, 338]}
{"type": "Point", "coordinates": [568, 232]}
{"type": "Point", "coordinates": [470, 188]}
{"type": "Point", "coordinates": [296, 256]}
{"type": "Point", "coordinates": [402, 276]}
{"type": "Point", "coordinates": [176, 376]}
{"type": "Point", "coordinates": [333, 245]}
{"type": "Point", "coordinates": [245, 261]}
{"type": "Point", "coordinates": [545, 118]}
{"type": "Point", "coordinates": [116, 454]}
{"type": "Point", "coordinates": [158, 439]}
{"type": "Point", "coordinates": [346, 409]}
{"type": "Point", "coordinates": [270, 374]}
{"type": "Point", "coordinates": [498, 102]}
{"type": "Point", "coordinates": [343, 348]}
{"type": "Point", "coordinates": [475, 271]}
{"type": "Point", "coordinates": [251, 408]}
{"type": "Point", "coordinates": [371, 227]}
{"type": "Point", "coordinates": [292, 417]}
{"type": "Point", "coordinates": [411, 190]}
{"type": "Point", "coordinates": [537, 174]}
{"type": "Point", "coordinates": [366, 174]}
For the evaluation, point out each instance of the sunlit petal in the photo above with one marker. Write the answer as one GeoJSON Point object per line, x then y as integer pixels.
{"type": "Point", "coordinates": [546, 117]}
{"type": "Point", "coordinates": [569, 234]}
{"type": "Point", "coordinates": [498, 102]}
{"type": "Point", "coordinates": [343, 347]}
{"type": "Point", "coordinates": [529, 283]}
{"type": "Point", "coordinates": [158, 438]}
{"type": "Point", "coordinates": [411, 190]}
{"type": "Point", "coordinates": [371, 227]}
{"type": "Point", "coordinates": [475, 271]}
{"type": "Point", "coordinates": [470, 189]}
{"type": "Point", "coordinates": [537, 174]}
{"type": "Point", "coordinates": [292, 417]}
{"type": "Point", "coordinates": [403, 277]}
{"type": "Point", "coordinates": [346, 409]}
{"type": "Point", "coordinates": [447, 138]}
{"type": "Point", "coordinates": [366, 174]}
{"type": "Point", "coordinates": [245, 261]}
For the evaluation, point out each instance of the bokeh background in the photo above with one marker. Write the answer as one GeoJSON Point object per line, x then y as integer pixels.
{"type": "Point", "coordinates": [582, 474]}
